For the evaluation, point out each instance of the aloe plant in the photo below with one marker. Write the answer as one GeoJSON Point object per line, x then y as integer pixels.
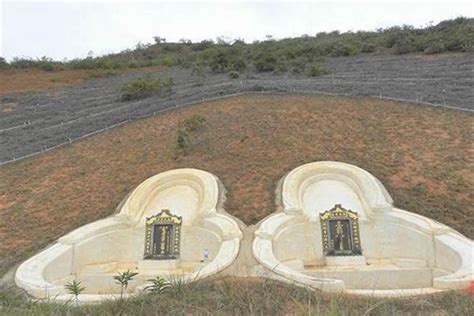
{"type": "Point", "coordinates": [75, 288]}
{"type": "Point", "coordinates": [158, 285]}
{"type": "Point", "coordinates": [123, 278]}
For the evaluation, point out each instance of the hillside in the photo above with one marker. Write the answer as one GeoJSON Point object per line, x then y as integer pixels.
{"type": "Point", "coordinates": [250, 142]}
{"type": "Point", "coordinates": [396, 102]}
{"type": "Point", "coordinates": [295, 55]}
{"type": "Point", "coordinates": [34, 121]}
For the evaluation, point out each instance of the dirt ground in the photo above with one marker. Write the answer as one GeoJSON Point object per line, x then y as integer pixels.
{"type": "Point", "coordinates": [423, 155]}
{"type": "Point", "coordinates": [21, 80]}
{"type": "Point", "coordinates": [33, 79]}
{"type": "Point", "coordinates": [32, 121]}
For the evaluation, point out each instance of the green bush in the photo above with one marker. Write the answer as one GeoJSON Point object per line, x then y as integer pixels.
{"type": "Point", "coordinates": [193, 123]}
{"type": "Point", "coordinates": [186, 129]}
{"type": "Point", "coordinates": [266, 62]}
{"type": "Point", "coordinates": [3, 63]}
{"type": "Point", "coordinates": [197, 69]}
{"type": "Point", "coordinates": [220, 61]}
{"type": "Point", "coordinates": [316, 69]}
{"type": "Point", "coordinates": [145, 87]}
{"type": "Point", "coordinates": [238, 64]}
{"type": "Point", "coordinates": [167, 61]}
{"type": "Point", "coordinates": [435, 48]}
{"type": "Point", "coordinates": [234, 75]}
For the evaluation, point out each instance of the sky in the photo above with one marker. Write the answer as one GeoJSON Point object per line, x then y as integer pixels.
{"type": "Point", "coordinates": [71, 29]}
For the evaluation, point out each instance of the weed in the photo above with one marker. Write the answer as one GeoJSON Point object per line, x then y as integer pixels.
{"type": "Point", "coordinates": [186, 129]}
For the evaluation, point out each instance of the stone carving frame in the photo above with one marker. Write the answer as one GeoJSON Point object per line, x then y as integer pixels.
{"type": "Point", "coordinates": [344, 218]}
{"type": "Point", "coordinates": [163, 218]}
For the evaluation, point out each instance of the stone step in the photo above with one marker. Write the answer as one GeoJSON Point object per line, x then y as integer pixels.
{"type": "Point", "coordinates": [379, 278]}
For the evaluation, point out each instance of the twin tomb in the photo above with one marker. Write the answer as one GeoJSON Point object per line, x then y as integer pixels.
{"type": "Point", "coordinates": [336, 230]}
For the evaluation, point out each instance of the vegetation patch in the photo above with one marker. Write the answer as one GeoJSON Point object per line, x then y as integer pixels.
{"type": "Point", "coordinates": [145, 87]}
{"type": "Point", "coordinates": [186, 137]}
{"type": "Point", "coordinates": [316, 70]}
{"type": "Point", "coordinates": [236, 296]}
{"type": "Point", "coordinates": [220, 56]}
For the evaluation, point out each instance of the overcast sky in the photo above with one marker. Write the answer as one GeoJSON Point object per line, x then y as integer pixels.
{"type": "Point", "coordinates": [70, 29]}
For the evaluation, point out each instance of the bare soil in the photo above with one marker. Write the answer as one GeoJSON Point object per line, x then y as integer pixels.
{"type": "Point", "coordinates": [423, 155]}
{"type": "Point", "coordinates": [22, 80]}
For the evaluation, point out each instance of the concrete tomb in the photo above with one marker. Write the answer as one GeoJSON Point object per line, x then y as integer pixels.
{"type": "Point", "coordinates": [337, 230]}
{"type": "Point", "coordinates": [172, 225]}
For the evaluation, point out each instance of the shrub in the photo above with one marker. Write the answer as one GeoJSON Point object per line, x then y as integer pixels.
{"type": "Point", "coordinates": [343, 48]}
{"type": "Point", "coordinates": [238, 64]}
{"type": "Point", "coordinates": [167, 61]}
{"type": "Point", "coordinates": [220, 61]}
{"type": "Point", "coordinates": [435, 48]}
{"type": "Point", "coordinates": [145, 87]}
{"type": "Point", "coordinates": [193, 123]}
{"type": "Point", "coordinates": [203, 45]}
{"type": "Point", "coordinates": [298, 66]}
{"type": "Point", "coordinates": [3, 63]}
{"type": "Point", "coordinates": [368, 48]}
{"type": "Point", "coordinates": [404, 44]}
{"type": "Point", "coordinates": [234, 75]}
{"type": "Point", "coordinates": [197, 69]}
{"type": "Point", "coordinates": [316, 69]}
{"type": "Point", "coordinates": [266, 62]}
{"type": "Point", "coordinates": [185, 130]}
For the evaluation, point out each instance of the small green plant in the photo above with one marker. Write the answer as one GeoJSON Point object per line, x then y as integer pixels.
{"type": "Point", "coordinates": [186, 128]}
{"type": "Point", "coordinates": [158, 285]}
{"type": "Point", "coordinates": [168, 84]}
{"type": "Point", "coordinates": [316, 69]}
{"type": "Point", "coordinates": [234, 75]}
{"type": "Point", "coordinates": [123, 278]}
{"type": "Point", "coordinates": [182, 139]}
{"type": "Point", "coordinates": [197, 69]}
{"type": "Point", "coordinates": [75, 289]}
{"type": "Point", "coordinates": [145, 87]}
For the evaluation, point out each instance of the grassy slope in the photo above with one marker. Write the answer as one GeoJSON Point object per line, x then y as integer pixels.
{"type": "Point", "coordinates": [421, 154]}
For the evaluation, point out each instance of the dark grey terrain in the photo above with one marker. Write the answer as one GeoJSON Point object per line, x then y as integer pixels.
{"type": "Point", "coordinates": [45, 119]}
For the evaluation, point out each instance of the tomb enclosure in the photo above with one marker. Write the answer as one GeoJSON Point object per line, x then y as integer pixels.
{"type": "Point", "coordinates": [170, 226]}
{"type": "Point", "coordinates": [337, 230]}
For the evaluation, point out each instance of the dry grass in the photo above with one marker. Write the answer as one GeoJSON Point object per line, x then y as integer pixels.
{"type": "Point", "coordinates": [234, 296]}
{"type": "Point", "coordinates": [422, 155]}
{"type": "Point", "coordinates": [33, 79]}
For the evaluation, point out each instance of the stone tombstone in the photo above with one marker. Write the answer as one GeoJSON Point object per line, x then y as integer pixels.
{"type": "Point", "coordinates": [340, 232]}
{"type": "Point", "coordinates": [162, 236]}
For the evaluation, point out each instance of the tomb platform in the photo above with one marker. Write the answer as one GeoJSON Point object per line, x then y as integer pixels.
{"type": "Point", "coordinates": [337, 230]}
{"type": "Point", "coordinates": [171, 226]}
